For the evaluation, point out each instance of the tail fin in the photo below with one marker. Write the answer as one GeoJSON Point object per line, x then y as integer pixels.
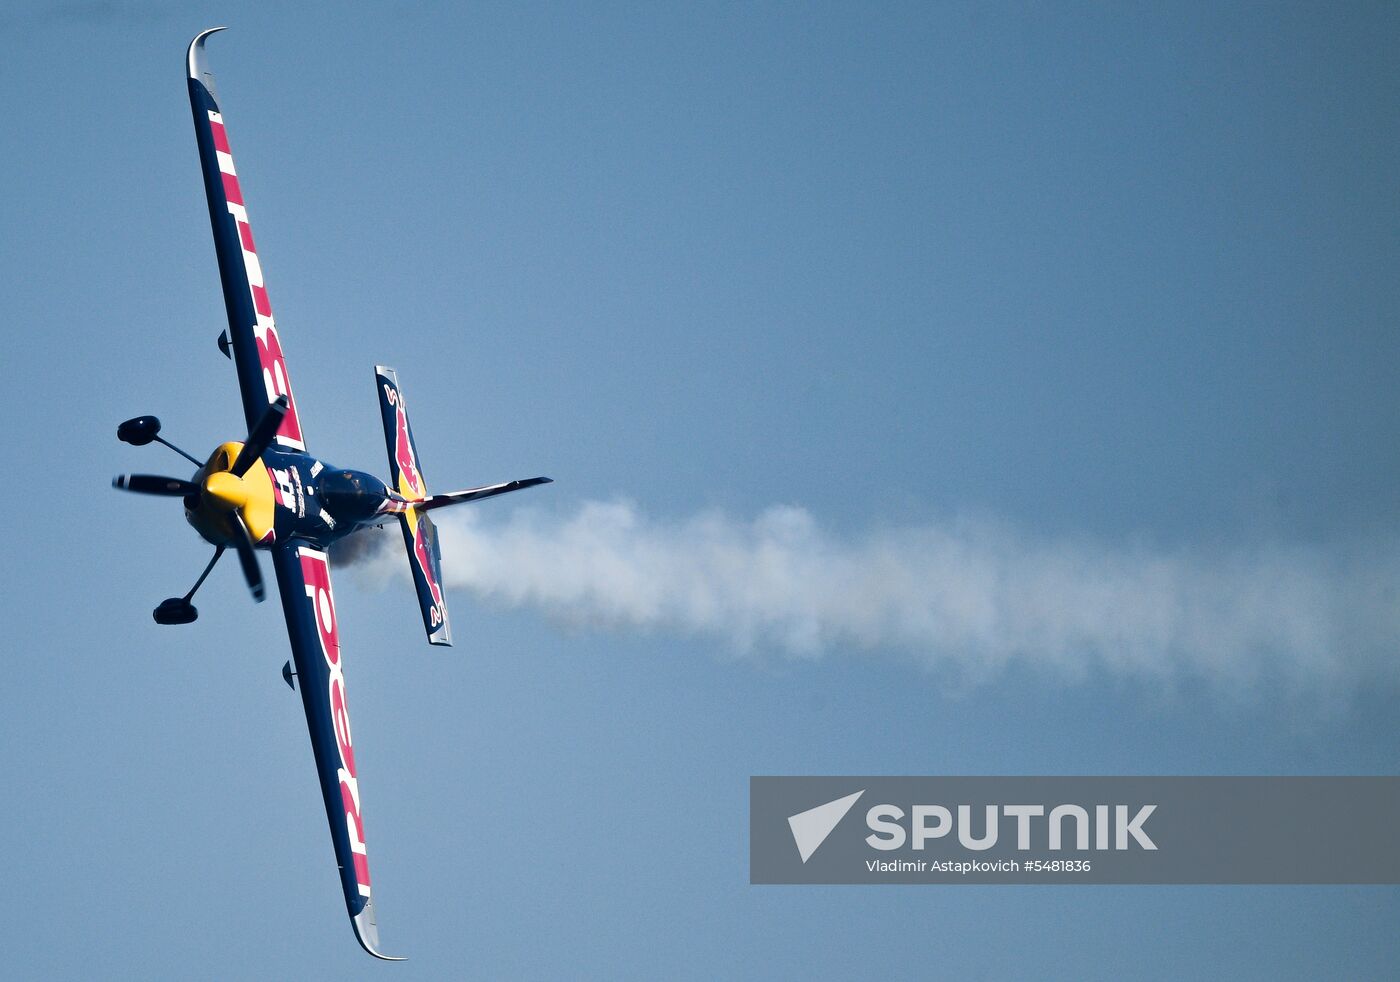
{"type": "Point", "coordinates": [419, 533]}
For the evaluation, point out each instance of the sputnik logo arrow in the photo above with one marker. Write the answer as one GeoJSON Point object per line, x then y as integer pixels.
{"type": "Point", "coordinates": [810, 828]}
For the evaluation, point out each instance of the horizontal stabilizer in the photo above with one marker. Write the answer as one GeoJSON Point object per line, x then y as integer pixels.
{"type": "Point", "coordinates": [476, 494]}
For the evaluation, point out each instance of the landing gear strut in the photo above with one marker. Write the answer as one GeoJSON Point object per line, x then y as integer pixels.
{"type": "Point", "coordinates": [179, 610]}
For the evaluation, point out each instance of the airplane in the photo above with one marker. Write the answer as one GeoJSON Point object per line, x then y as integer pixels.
{"type": "Point", "coordinates": [269, 494]}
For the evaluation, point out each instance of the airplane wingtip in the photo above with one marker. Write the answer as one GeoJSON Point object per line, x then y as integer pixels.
{"type": "Point", "coordinates": [194, 56]}
{"type": "Point", "coordinates": [367, 933]}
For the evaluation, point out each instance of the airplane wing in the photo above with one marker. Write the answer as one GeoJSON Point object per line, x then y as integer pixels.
{"type": "Point", "coordinates": [304, 577]}
{"type": "Point", "coordinates": [252, 334]}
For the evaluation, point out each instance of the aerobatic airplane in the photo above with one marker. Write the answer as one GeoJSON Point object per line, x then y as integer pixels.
{"type": "Point", "coordinates": [269, 493]}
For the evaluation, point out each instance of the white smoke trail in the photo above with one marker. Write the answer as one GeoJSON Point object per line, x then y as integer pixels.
{"type": "Point", "coordinates": [970, 597]}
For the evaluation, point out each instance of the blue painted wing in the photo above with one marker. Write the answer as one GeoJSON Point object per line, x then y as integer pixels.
{"type": "Point", "coordinates": [304, 578]}
{"type": "Point", "coordinates": [257, 347]}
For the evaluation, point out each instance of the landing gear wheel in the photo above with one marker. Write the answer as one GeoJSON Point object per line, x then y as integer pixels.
{"type": "Point", "coordinates": [176, 610]}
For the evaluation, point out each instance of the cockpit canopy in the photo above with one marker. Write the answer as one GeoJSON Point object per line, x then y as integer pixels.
{"type": "Point", "coordinates": [351, 496]}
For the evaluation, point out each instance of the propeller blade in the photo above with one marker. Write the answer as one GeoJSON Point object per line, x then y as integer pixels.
{"type": "Point", "coordinates": [243, 542]}
{"type": "Point", "coordinates": [171, 487]}
{"type": "Point", "coordinates": [261, 437]}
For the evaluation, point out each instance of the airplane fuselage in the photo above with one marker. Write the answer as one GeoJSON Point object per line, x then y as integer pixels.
{"type": "Point", "coordinates": [287, 494]}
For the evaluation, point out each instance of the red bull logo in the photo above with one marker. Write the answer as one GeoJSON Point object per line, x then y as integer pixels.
{"type": "Point", "coordinates": [410, 481]}
{"type": "Point", "coordinates": [425, 563]}
{"type": "Point", "coordinates": [315, 571]}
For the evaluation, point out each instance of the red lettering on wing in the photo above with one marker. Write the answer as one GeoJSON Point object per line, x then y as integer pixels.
{"type": "Point", "coordinates": [315, 572]}
{"type": "Point", "coordinates": [340, 719]}
{"type": "Point", "coordinates": [274, 369]}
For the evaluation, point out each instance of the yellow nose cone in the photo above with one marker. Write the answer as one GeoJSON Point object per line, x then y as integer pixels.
{"type": "Point", "coordinates": [226, 491]}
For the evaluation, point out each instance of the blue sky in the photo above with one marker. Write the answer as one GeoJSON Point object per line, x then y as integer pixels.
{"type": "Point", "coordinates": [1116, 278]}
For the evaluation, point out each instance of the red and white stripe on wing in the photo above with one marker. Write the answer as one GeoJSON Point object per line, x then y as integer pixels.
{"type": "Point", "coordinates": [274, 366]}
